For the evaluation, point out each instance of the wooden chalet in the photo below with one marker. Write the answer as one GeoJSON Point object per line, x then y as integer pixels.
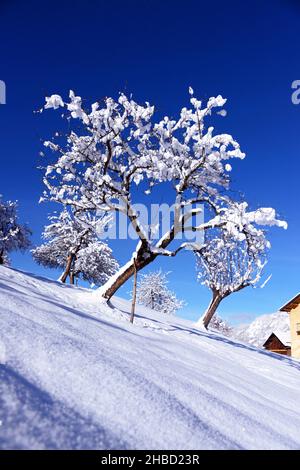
{"type": "Point", "coordinates": [279, 343]}
{"type": "Point", "coordinates": [292, 307]}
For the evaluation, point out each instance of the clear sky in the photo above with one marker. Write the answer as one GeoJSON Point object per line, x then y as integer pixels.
{"type": "Point", "coordinates": [247, 51]}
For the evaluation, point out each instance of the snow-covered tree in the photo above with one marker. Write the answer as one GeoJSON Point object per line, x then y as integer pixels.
{"type": "Point", "coordinates": [230, 261]}
{"type": "Point", "coordinates": [218, 324]}
{"type": "Point", "coordinates": [95, 263]}
{"type": "Point", "coordinates": [116, 146]}
{"type": "Point", "coordinates": [153, 292]}
{"type": "Point", "coordinates": [64, 236]}
{"type": "Point", "coordinates": [13, 235]}
{"type": "Point", "coordinates": [71, 244]}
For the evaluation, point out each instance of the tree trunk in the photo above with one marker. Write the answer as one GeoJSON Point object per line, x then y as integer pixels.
{"type": "Point", "coordinates": [68, 268]}
{"type": "Point", "coordinates": [1, 257]}
{"type": "Point", "coordinates": [152, 301]}
{"type": "Point", "coordinates": [71, 258]}
{"type": "Point", "coordinates": [125, 273]}
{"type": "Point", "coordinates": [143, 258]}
{"type": "Point", "coordinates": [211, 310]}
{"type": "Point", "coordinates": [72, 277]}
{"type": "Point", "coordinates": [134, 292]}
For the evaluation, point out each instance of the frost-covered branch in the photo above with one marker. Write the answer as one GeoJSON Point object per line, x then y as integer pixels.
{"type": "Point", "coordinates": [230, 261]}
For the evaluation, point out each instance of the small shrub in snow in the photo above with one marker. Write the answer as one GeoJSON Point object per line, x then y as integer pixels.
{"type": "Point", "coordinates": [152, 291]}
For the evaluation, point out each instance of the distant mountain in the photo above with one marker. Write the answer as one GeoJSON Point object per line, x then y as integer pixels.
{"type": "Point", "coordinates": [260, 329]}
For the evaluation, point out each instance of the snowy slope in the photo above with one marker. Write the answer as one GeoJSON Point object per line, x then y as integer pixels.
{"type": "Point", "coordinates": [257, 332]}
{"type": "Point", "coordinates": [77, 374]}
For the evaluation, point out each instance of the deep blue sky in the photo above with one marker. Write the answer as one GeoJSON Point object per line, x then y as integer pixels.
{"type": "Point", "coordinates": [248, 52]}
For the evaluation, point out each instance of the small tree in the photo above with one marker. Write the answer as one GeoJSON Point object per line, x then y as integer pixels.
{"type": "Point", "coordinates": [95, 263]}
{"type": "Point", "coordinates": [72, 245]}
{"type": "Point", "coordinates": [217, 323]}
{"type": "Point", "coordinates": [152, 291]}
{"type": "Point", "coordinates": [13, 235]}
{"type": "Point", "coordinates": [229, 262]}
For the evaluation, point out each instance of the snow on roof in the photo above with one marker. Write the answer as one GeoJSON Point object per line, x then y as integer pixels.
{"type": "Point", "coordinates": [283, 336]}
{"type": "Point", "coordinates": [293, 303]}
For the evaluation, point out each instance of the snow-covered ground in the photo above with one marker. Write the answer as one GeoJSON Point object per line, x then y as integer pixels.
{"type": "Point", "coordinates": [76, 374]}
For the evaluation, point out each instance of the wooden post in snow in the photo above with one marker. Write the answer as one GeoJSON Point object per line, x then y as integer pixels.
{"type": "Point", "coordinates": [134, 291]}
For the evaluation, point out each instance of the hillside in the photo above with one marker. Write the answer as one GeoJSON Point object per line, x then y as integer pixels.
{"type": "Point", "coordinates": [257, 332]}
{"type": "Point", "coordinates": [76, 374]}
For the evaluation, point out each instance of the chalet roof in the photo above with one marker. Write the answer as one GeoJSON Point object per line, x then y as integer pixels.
{"type": "Point", "coordinates": [293, 303]}
{"type": "Point", "coordinates": [283, 336]}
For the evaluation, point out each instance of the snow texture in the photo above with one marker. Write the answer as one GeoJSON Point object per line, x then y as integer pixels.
{"type": "Point", "coordinates": [77, 374]}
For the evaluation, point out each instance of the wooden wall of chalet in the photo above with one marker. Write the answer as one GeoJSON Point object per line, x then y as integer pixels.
{"type": "Point", "coordinates": [273, 344]}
